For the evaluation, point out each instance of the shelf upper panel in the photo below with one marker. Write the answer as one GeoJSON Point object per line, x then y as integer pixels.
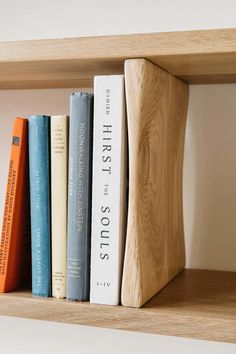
{"type": "Point", "coordinates": [196, 304]}
{"type": "Point", "coordinates": [207, 56]}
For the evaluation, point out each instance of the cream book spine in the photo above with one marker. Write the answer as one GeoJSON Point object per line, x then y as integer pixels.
{"type": "Point", "coordinates": [59, 162]}
{"type": "Point", "coordinates": [109, 189]}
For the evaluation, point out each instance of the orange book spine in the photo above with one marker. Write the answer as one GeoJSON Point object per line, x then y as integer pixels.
{"type": "Point", "coordinates": [15, 242]}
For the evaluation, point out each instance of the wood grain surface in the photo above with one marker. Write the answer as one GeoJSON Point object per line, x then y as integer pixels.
{"type": "Point", "coordinates": [157, 106]}
{"type": "Point", "coordinates": [196, 304]}
{"type": "Point", "coordinates": [206, 56]}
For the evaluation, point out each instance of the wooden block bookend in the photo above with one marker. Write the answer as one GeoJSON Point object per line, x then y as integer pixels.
{"type": "Point", "coordinates": [157, 105]}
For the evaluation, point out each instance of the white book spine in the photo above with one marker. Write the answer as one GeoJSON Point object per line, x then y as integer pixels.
{"type": "Point", "coordinates": [59, 160]}
{"type": "Point", "coordinates": [109, 208]}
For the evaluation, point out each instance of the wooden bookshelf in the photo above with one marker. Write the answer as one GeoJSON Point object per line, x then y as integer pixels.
{"type": "Point", "coordinates": [196, 304]}
{"type": "Point", "coordinates": [207, 56]}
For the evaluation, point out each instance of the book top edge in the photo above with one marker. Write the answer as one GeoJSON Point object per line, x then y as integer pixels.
{"type": "Point", "coordinates": [38, 117]}
{"type": "Point", "coordinates": [107, 77]}
{"type": "Point", "coordinates": [81, 94]}
{"type": "Point", "coordinates": [59, 116]}
{"type": "Point", "coordinates": [21, 118]}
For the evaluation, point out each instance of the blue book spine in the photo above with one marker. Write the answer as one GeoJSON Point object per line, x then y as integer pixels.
{"type": "Point", "coordinates": [79, 196]}
{"type": "Point", "coordinates": [39, 149]}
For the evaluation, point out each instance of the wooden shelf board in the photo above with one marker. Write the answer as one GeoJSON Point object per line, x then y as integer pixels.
{"type": "Point", "coordinates": [196, 304]}
{"type": "Point", "coordinates": [206, 56]}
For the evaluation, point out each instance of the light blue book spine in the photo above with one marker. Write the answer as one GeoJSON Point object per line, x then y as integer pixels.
{"type": "Point", "coordinates": [79, 196]}
{"type": "Point", "coordinates": [39, 150]}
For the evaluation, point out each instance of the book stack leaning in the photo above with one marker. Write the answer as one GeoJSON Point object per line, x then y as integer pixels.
{"type": "Point", "coordinates": [66, 202]}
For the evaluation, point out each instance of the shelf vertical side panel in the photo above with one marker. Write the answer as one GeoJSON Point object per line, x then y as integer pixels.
{"type": "Point", "coordinates": [157, 105]}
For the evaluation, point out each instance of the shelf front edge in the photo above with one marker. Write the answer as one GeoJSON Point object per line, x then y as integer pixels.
{"type": "Point", "coordinates": [206, 56]}
{"type": "Point", "coordinates": [196, 304]}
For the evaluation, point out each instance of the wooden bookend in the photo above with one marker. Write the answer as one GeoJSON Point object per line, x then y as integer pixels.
{"type": "Point", "coordinates": [157, 105]}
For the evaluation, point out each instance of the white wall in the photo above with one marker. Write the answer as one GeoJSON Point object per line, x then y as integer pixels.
{"type": "Point", "coordinates": [31, 19]}
{"type": "Point", "coordinates": [210, 150]}
{"type": "Point", "coordinates": [210, 178]}
{"type": "Point", "coordinates": [40, 337]}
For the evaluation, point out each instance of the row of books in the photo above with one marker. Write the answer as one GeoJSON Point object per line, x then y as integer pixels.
{"type": "Point", "coordinates": [73, 233]}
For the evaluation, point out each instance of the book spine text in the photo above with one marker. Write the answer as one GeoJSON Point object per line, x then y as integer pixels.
{"type": "Point", "coordinates": [79, 196]}
{"type": "Point", "coordinates": [59, 153]}
{"type": "Point", "coordinates": [39, 157]}
{"type": "Point", "coordinates": [109, 190]}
